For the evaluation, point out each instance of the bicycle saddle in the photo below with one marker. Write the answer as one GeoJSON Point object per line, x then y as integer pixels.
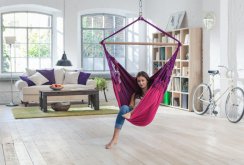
{"type": "Point", "coordinates": [213, 72]}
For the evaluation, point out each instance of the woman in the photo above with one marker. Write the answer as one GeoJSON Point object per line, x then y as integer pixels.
{"type": "Point", "coordinates": [143, 82]}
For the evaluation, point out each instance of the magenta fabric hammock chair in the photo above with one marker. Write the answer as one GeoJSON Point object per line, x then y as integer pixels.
{"type": "Point", "coordinates": [125, 85]}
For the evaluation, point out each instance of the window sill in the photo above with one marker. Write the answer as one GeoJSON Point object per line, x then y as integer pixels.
{"type": "Point", "coordinates": [105, 75]}
{"type": "Point", "coordinates": [7, 76]}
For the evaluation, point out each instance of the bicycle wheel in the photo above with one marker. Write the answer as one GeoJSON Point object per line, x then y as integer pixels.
{"type": "Point", "coordinates": [234, 105]}
{"type": "Point", "coordinates": [201, 99]}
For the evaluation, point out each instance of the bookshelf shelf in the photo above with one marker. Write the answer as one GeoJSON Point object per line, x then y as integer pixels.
{"type": "Point", "coordinates": [187, 72]}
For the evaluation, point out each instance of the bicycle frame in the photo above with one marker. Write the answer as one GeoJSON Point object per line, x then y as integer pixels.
{"type": "Point", "coordinates": [206, 100]}
{"type": "Point", "coordinates": [214, 100]}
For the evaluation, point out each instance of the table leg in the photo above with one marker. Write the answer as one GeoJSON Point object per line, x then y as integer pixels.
{"type": "Point", "coordinates": [44, 103]}
{"type": "Point", "coordinates": [40, 101]}
{"type": "Point", "coordinates": [89, 100]}
{"type": "Point", "coordinates": [95, 101]}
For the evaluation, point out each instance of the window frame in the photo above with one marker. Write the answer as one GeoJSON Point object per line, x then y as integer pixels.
{"type": "Point", "coordinates": [51, 28]}
{"type": "Point", "coordinates": [103, 29]}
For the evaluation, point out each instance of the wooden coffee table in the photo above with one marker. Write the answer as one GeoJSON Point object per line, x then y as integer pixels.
{"type": "Point", "coordinates": [93, 96]}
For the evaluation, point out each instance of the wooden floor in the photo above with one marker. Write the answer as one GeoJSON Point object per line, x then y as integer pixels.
{"type": "Point", "coordinates": [174, 137]}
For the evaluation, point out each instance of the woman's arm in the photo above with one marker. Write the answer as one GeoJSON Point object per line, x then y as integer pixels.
{"type": "Point", "coordinates": [132, 105]}
{"type": "Point", "coordinates": [132, 101]}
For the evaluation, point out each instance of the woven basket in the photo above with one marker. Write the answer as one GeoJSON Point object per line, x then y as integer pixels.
{"type": "Point", "coordinates": [60, 106]}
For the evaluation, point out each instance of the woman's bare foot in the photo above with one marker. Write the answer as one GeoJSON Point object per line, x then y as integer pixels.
{"type": "Point", "coordinates": [110, 144]}
{"type": "Point", "coordinates": [127, 115]}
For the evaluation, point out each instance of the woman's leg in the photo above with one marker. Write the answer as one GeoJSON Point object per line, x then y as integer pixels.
{"type": "Point", "coordinates": [128, 115]}
{"type": "Point", "coordinates": [118, 125]}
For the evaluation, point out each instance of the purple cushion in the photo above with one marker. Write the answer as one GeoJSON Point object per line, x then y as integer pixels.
{"type": "Point", "coordinates": [83, 77]}
{"type": "Point", "coordinates": [49, 74]}
{"type": "Point", "coordinates": [27, 80]}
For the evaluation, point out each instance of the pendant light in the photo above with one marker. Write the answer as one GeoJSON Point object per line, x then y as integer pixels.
{"type": "Point", "coordinates": [64, 60]}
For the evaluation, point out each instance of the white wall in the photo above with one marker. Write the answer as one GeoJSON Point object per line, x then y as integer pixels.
{"type": "Point", "coordinates": [215, 45]}
{"type": "Point", "coordinates": [236, 39]}
{"type": "Point", "coordinates": [159, 11]}
{"type": "Point", "coordinates": [54, 3]}
{"type": "Point", "coordinates": [211, 38]}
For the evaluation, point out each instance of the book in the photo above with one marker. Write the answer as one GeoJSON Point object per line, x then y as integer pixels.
{"type": "Point", "coordinates": [177, 36]}
{"type": "Point", "coordinates": [155, 40]}
{"type": "Point", "coordinates": [155, 67]}
{"type": "Point", "coordinates": [176, 84]}
{"type": "Point", "coordinates": [170, 40]}
{"type": "Point", "coordinates": [185, 71]}
{"type": "Point", "coordinates": [169, 88]}
{"type": "Point", "coordinates": [157, 56]}
{"type": "Point", "coordinates": [162, 53]}
{"type": "Point", "coordinates": [184, 101]}
{"type": "Point", "coordinates": [184, 85]}
{"type": "Point", "coordinates": [166, 98]}
{"type": "Point", "coordinates": [164, 39]}
{"type": "Point", "coordinates": [187, 39]}
{"type": "Point", "coordinates": [176, 101]}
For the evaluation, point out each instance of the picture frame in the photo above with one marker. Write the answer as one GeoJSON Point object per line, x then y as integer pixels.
{"type": "Point", "coordinates": [175, 20]}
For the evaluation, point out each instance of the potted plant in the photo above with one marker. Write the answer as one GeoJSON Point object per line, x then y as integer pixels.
{"type": "Point", "coordinates": [101, 85]}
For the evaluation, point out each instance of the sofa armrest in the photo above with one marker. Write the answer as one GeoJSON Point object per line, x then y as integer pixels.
{"type": "Point", "coordinates": [20, 84]}
{"type": "Point", "coordinates": [91, 83]}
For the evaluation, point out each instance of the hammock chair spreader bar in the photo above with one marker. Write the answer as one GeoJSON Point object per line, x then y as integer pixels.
{"type": "Point", "coordinates": [141, 43]}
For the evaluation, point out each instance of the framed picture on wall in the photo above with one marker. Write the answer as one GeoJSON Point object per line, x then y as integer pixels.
{"type": "Point", "coordinates": [175, 20]}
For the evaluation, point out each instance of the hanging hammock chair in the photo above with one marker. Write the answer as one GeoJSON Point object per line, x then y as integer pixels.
{"type": "Point", "coordinates": [125, 85]}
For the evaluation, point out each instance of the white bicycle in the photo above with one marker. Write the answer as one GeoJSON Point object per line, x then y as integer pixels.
{"type": "Point", "coordinates": [204, 97]}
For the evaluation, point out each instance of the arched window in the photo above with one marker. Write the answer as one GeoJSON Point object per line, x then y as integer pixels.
{"type": "Point", "coordinates": [94, 27]}
{"type": "Point", "coordinates": [33, 46]}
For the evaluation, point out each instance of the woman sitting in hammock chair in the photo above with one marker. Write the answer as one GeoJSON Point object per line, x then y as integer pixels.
{"type": "Point", "coordinates": [125, 112]}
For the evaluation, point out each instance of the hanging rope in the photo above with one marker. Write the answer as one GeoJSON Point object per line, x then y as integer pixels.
{"type": "Point", "coordinates": [140, 8]}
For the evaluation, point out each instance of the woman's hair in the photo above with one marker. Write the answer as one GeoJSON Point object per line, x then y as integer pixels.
{"type": "Point", "coordinates": [138, 92]}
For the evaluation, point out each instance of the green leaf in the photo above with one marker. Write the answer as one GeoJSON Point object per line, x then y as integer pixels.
{"type": "Point", "coordinates": [101, 83]}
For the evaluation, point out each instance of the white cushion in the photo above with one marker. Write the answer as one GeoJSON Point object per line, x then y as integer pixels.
{"type": "Point", "coordinates": [38, 78]}
{"type": "Point", "coordinates": [30, 72]}
{"type": "Point", "coordinates": [71, 77]}
{"type": "Point", "coordinates": [59, 75]}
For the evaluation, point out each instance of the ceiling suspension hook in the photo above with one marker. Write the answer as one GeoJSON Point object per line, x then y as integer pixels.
{"type": "Point", "coordinates": [140, 8]}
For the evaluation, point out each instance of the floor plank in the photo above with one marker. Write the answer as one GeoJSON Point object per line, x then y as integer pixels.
{"type": "Point", "coordinates": [22, 154]}
{"type": "Point", "coordinates": [2, 161]}
{"type": "Point", "coordinates": [174, 137]}
{"type": "Point", "coordinates": [10, 154]}
{"type": "Point", "coordinates": [35, 154]}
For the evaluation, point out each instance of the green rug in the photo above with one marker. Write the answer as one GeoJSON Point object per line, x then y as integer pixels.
{"type": "Point", "coordinates": [35, 112]}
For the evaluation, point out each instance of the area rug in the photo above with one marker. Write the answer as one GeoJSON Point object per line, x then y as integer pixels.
{"type": "Point", "coordinates": [35, 112]}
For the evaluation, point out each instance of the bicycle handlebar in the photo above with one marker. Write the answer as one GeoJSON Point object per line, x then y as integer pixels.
{"type": "Point", "coordinates": [229, 72]}
{"type": "Point", "coordinates": [222, 66]}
